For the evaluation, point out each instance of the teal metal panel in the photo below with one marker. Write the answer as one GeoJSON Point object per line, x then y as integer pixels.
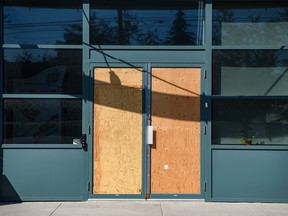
{"type": "Point", "coordinates": [41, 174]}
{"type": "Point", "coordinates": [87, 100]}
{"type": "Point", "coordinates": [160, 56]}
{"type": "Point", "coordinates": [249, 175]}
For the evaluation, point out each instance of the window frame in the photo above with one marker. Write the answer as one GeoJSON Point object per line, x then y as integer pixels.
{"type": "Point", "coordinates": [237, 97]}
{"type": "Point", "coordinates": [43, 46]}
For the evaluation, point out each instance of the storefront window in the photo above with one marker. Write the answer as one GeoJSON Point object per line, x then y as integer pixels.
{"type": "Point", "coordinates": [250, 72]}
{"type": "Point", "coordinates": [146, 22]}
{"type": "Point", "coordinates": [265, 122]}
{"type": "Point", "coordinates": [45, 121]}
{"type": "Point", "coordinates": [42, 71]}
{"type": "Point", "coordinates": [250, 23]}
{"type": "Point", "coordinates": [42, 22]}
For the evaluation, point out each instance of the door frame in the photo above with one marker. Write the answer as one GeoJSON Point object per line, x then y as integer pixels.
{"type": "Point", "coordinates": [145, 148]}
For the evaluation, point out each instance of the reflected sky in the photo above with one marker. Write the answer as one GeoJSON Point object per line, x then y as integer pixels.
{"type": "Point", "coordinates": [113, 24]}
{"type": "Point", "coordinates": [30, 25]}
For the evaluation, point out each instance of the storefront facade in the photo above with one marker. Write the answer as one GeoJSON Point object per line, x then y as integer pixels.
{"type": "Point", "coordinates": [144, 100]}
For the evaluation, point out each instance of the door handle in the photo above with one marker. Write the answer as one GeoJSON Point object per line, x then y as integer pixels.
{"type": "Point", "coordinates": [84, 141]}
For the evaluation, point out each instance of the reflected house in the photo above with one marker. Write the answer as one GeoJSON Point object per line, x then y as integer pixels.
{"type": "Point", "coordinates": [47, 81]}
{"type": "Point", "coordinates": [84, 81]}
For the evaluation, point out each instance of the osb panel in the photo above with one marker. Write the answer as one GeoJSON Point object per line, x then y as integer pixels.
{"type": "Point", "coordinates": [127, 77]}
{"type": "Point", "coordinates": [117, 132]}
{"type": "Point", "coordinates": [175, 163]}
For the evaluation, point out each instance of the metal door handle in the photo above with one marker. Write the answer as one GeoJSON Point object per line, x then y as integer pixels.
{"type": "Point", "coordinates": [84, 141]}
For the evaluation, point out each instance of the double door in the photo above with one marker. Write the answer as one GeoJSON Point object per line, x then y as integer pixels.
{"type": "Point", "coordinates": [126, 102]}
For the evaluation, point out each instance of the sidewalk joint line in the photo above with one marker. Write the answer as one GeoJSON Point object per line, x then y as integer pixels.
{"type": "Point", "coordinates": [162, 214]}
{"type": "Point", "coordinates": [55, 209]}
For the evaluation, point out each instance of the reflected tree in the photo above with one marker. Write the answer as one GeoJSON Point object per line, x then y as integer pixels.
{"type": "Point", "coordinates": [123, 29]}
{"type": "Point", "coordinates": [127, 27]}
{"type": "Point", "coordinates": [260, 24]}
{"type": "Point", "coordinates": [5, 16]}
{"type": "Point", "coordinates": [105, 33]}
{"type": "Point", "coordinates": [220, 16]}
{"type": "Point", "coordinates": [101, 32]}
{"type": "Point", "coordinates": [149, 37]}
{"type": "Point", "coordinates": [72, 35]}
{"type": "Point", "coordinates": [178, 33]}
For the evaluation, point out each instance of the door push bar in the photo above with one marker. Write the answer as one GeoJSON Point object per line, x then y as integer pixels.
{"type": "Point", "coordinates": [149, 135]}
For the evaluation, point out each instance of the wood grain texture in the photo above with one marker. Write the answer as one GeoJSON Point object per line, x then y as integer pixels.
{"type": "Point", "coordinates": [175, 165]}
{"type": "Point", "coordinates": [117, 131]}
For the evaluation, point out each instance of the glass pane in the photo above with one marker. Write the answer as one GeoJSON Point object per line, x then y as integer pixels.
{"type": "Point", "coordinates": [266, 120]}
{"type": "Point", "coordinates": [46, 121]}
{"type": "Point", "coordinates": [42, 71]}
{"type": "Point", "coordinates": [146, 22]}
{"type": "Point", "coordinates": [38, 22]}
{"type": "Point", "coordinates": [250, 72]}
{"type": "Point", "coordinates": [250, 23]}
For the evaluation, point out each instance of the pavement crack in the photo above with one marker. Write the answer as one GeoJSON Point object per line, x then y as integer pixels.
{"type": "Point", "coordinates": [55, 209]}
{"type": "Point", "coordinates": [162, 214]}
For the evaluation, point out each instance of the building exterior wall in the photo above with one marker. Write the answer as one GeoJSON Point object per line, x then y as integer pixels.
{"type": "Point", "coordinates": [47, 96]}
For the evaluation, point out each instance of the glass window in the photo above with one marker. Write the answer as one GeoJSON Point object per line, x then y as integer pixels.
{"type": "Point", "coordinates": [39, 22]}
{"type": "Point", "coordinates": [250, 23]}
{"type": "Point", "coordinates": [250, 72]}
{"type": "Point", "coordinates": [157, 22]}
{"type": "Point", "coordinates": [45, 121]}
{"type": "Point", "coordinates": [266, 120]}
{"type": "Point", "coordinates": [42, 71]}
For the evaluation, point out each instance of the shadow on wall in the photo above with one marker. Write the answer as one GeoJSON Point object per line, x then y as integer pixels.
{"type": "Point", "coordinates": [7, 191]}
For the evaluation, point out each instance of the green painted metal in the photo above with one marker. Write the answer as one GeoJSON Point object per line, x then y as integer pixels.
{"type": "Point", "coordinates": [41, 174]}
{"type": "Point", "coordinates": [1, 91]}
{"type": "Point", "coordinates": [249, 175]}
{"type": "Point", "coordinates": [152, 56]}
{"type": "Point", "coordinates": [207, 96]}
{"type": "Point", "coordinates": [146, 122]}
{"type": "Point", "coordinates": [40, 96]}
{"type": "Point", "coordinates": [86, 101]}
{"type": "Point", "coordinates": [41, 46]}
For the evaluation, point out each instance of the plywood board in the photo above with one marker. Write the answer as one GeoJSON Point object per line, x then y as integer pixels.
{"type": "Point", "coordinates": [175, 155]}
{"type": "Point", "coordinates": [117, 131]}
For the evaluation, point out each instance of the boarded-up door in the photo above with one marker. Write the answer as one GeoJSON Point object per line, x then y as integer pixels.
{"type": "Point", "coordinates": [175, 154]}
{"type": "Point", "coordinates": [117, 131]}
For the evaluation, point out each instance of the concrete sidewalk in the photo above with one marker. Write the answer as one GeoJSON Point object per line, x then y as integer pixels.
{"type": "Point", "coordinates": [142, 208]}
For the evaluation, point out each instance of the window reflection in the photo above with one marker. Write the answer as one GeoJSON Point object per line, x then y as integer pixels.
{"type": "Point", "coordinates": [146, 23]}
{"type": "Point", "coordinates": [264, 119]}
{"type": "Point", "coordinates": [250, 72]}
{"type": "Point", "coordinates": [35, 22]}
{"type": "Point", "coordinates": [246, 23]}
{"type": "Point", "coordinates": [42, 71]}
{"type": "Point", "coordinates": [45, 121]}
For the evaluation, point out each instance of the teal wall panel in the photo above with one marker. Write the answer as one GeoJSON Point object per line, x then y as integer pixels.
{"type": "Point", "coordinates": [249, 175]}
{"type": "Point", "coordinates": [152, 56]}
{"type": "Point", "coordinates": [41, 174]}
